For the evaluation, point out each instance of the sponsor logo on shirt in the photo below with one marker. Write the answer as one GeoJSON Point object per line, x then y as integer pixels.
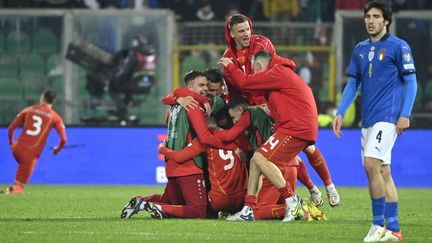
{"type": "Point", "coordinates": [408, 66]}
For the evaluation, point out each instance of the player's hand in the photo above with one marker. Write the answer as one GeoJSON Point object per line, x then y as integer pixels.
{"type": "Point", "coordinates": [224, 61]}
{"type": "Point", "coordinates": [241, 154]}
{"type": "Point", "coordinates": [337, 124]}
{"type": "Point", "coordinates": [187, 102]}
{"type": "Point", "coordinates": [56, 150]}
{"type": "Point", "coordinates": [208, 109]}
{"type": "Point", "coordinates": [402, 124]}
{"type": "Point", "coordinates": [161, 145]}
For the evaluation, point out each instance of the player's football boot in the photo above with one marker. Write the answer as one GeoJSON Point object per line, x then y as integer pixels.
{"type": "Point", "coordinates": [132, 207]}
{"type": "Point", "coordinates": [15, 189]}
{"type": "Point", "coordinates": [154, 211]}
{"type": "Point", "coordinates": [392, 236]}
{"type": "Point", "coordinates": [246, 214]}
{"type": "Point", "coordinates": [293, 208]}
{"type": "Point", "coordinates": [314, 211]}
{"type": "Point", "coordinates": [375, 233]}
{"type": "Point", "coordinates": [304, 213]}
{"type": "Point", "coordinates": [316, 198]}
{"type": "Point", "coordinates": [333, 196]}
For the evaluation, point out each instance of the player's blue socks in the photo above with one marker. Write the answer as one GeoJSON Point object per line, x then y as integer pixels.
{"type": "Point", "coordinates": [378, 209]}
{"type": "Point", "coordinates": [391, 216]}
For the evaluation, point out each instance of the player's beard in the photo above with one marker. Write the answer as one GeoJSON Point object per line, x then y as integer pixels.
{"type": "Point", "coordinates": [373, 33]}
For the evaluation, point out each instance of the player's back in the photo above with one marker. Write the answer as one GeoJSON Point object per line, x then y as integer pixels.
{"type": "Point", "coordinates": [38, 121]}
{"type": "Point", "coordinates": [227, 172]}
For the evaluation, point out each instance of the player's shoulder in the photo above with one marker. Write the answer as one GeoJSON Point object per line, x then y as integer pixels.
{"type": "Point", "coordinates": [55, 115]}
{"type": "Point", "coordinates": [228, 53]}
{"type": "Point", "coordinates": [362, 44]}
{"type": "Point", "coordinates": [398, 42]}
{"type": "Point", "coordinates": [259, 38]}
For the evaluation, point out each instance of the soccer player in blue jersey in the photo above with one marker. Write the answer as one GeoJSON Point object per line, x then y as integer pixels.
{"type": "Point", "coordinates": [383, 69]}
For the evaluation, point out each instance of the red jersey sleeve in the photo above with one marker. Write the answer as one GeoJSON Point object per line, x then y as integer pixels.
{"type": "Point", "coordinates": [199, 125]}
{"type": "Point", "coordinates": [19, 119]}
{"type": "Point", "coordinates": [189, 152]}
{"type": "Point", "coordinates": [60, 128]}
{"type": "Point", "coordinates": [169, 99]}
{"type": "Point", "coordinates": [184, 92]}
{"type": "Point", "coordinates": [271, 78]}
{"type": "Point", "coordinates": [234, 132]}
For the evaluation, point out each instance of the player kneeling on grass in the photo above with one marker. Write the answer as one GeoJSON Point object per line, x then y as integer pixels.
{"type": "Point", "coordinates": [227, 175]}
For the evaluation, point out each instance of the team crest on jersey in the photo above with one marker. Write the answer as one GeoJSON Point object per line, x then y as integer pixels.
{"type": "Point", "coordinates": [381, 54]}
{"type": "Point", "coordinates": [407, 57]}
{"type": "Point", "coordinates": [371, 55]}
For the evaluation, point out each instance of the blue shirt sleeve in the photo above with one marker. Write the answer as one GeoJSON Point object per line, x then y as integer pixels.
{"type": "Point", "coordinates": [404, 59]}
{"type": "Point", "coordinates": [410, 94]}
{"type": "Point", "coordinates": [353, 69]}
{"type": "Point", "coordinates": [348, 96]}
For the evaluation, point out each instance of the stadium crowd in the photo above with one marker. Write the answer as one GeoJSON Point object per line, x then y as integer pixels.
{"type": "Point", "coordinates": [218, 10]}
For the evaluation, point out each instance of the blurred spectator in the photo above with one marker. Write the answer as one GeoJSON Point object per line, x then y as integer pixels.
{"type": "Point", "coordinates": [232, 10]}
{"type": "Point", "coordinates": [327, 113]}
{"type": "Point", "coordinates": [350, 4]}
{"type": "Point", "coordinates": [184, 9]}
{"type": "Point", "coordinates": [327, 10]}
{"type": "Point", "coordinates": [205, 11]}
{"type": "Point", "coordinates": [281, 10]}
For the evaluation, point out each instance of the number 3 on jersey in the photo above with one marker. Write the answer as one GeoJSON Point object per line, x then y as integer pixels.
{"type": "Point", "coordinates": [228, 156]}
{"type": "Point", "coordinates": [36, 125]}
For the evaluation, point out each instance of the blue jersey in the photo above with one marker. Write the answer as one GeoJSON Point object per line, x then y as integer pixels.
{"type": "Point", "coordinates": [379, 67]}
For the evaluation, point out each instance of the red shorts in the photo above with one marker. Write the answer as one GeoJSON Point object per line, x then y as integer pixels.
{"type": "Point", "coordinates": [27, 160]}
{"type": "Point", "coordinates": [227, 203]}
{"type": "Point", "coordinates": [282, 149]}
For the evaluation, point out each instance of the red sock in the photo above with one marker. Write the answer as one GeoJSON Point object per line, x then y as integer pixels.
{"type": "Point", "coordinates": [269, 212]}
{"type": "Point", "coordinates": [18, 187]}
{"type": "Point", "coordinates": [183, 211]}
{"type": "Point", "coordinates": [304, 177]}
{"type": "Point", "coordinates": [250, 200]}
{"type": "Point", "coordinates": [285, 191]}
{"type": "Point", "coordinates": [318, 163]}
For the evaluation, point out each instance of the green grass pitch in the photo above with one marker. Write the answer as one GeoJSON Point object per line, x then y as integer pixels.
{"type": "Point", "coordinates": [92, 214]}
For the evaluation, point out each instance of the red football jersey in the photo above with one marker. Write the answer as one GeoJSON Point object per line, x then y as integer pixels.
{"type": "Point", "coordinates": [227, 172]}
{"type": "Point", "coordinates": [37, 120]}
{"type": "Point", "coordinates": [289, 99]}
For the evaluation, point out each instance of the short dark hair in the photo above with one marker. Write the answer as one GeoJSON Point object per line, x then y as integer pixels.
{"type": "Point", "coordinates": [384, 6]}
{"type": "Point", "coordinates": [213, 75]}
{"type": "Point", "coordinates": [237, 101]}
{"type": "Point", "coordinates": [263, 54]}
{"type": "Point", "coordinates": [192, 75]}
{"type": "Point", "coordinates": [223, 119]}
{"type": "Point", "coordinates": [236, 19]}
{"type": "Point", "coordinates": [49, 96]}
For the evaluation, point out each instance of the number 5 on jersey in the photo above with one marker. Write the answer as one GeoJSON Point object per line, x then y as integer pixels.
{"type": "Point", "coordinates": [228, 156]}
